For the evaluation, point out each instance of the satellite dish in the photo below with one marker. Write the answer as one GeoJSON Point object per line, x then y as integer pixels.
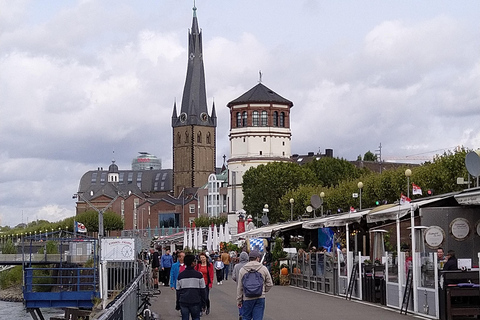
{"type": "Point", "coordinates": [265, 219]}
{"type": "Point", "coordinates": [472, 162]}
{"type": "Point", "coordinates": [316, 201]}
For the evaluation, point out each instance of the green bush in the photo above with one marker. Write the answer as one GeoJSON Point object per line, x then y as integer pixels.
{"type": "Point", "coordinates": [8, 247]}
{"type": "Point", "coordinates": [11, 277]}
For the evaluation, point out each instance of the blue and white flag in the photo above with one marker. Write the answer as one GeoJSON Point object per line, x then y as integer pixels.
{"type": "Point", "coordinates": [80, 227]}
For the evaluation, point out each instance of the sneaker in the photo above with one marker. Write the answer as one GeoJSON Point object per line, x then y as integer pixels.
{"type": "Point", "coordinates": [218, 283]}
{"type": "Point", "coordinates": [221, 282]}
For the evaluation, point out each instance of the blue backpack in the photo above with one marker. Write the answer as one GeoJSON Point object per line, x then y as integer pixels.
{"type": "Point", "coordinates": [252, 283]}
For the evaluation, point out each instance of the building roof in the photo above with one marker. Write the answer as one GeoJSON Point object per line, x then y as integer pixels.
{"type": "Point", "coordinates": [95, 183]}
{"type": "Point", "coordinates": [260, 94]}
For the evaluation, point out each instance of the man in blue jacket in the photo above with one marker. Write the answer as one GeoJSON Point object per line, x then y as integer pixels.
{"type": "Point", "coordinates": [166, 263]}
{"type": "Point", "coordinates": [190, 291]}
{"type": "Point", "coordinates": [177, 267]}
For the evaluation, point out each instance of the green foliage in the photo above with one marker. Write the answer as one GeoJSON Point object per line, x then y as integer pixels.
{"type": "Point", "coordinates": [332, 171]}
{"type": "Point", "coordinates": [205, 221]}
{"type": "Point", "coordinates": [277, 255]}
{"type": "Point", "coordinates": [8, 247]}
{"type": "Point", "coordinates": [338, 181]}
{"type": "Point", "coordinates": [111, 220]}
{"type": "Point", "coordinates": [11, 277]}
{"type": "Point", "coordinates": [369, 156]}
{"type": "Point", "coordinates": [266, 184]}
{"type": "Point", "coordinates": [50, 246]}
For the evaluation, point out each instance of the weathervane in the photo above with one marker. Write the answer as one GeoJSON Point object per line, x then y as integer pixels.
{"type": "Point", "coordinates": [259, 76]}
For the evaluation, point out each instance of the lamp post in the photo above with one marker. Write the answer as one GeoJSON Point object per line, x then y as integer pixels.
{"type": "Point", "coordinates": [360, 186]}
{"type": "Point", "coordinates": [265, 212]}
{"type": "Point", "coordinates": [408, 173]}
{"type": "Point", "coordinates": [322, 195]}
{"type": "Point", "coordinates": [292, 201]}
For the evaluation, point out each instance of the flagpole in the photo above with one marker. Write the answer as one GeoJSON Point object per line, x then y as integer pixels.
{"type": "Point", "coordinates": [74, 228]}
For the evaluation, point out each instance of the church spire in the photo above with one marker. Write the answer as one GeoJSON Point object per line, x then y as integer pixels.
{"type": "Point", "coordinates": [193, 110]}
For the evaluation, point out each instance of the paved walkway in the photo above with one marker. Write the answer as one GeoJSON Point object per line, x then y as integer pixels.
{"type": "Point", "coordinates": [282, 303]}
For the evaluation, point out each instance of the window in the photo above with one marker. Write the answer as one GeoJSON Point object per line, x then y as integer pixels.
{"type": "Point", "coordinates": [239, 119]}
{"type": "Point", "coordinates": [94, 177]}
{"type": "Point", "coordinates": [167, 220]}
{"type": "Point", "coordinates": [122, 174]}
{"type": "Point", "coordinates": [139, 179]}
{"type": "Point", "coordinates": [179, 138]}
{"type": "Point", "coordinates": [264, 119]}
{"type": "Point", "coordinates": [186, 136]}
{"type": "Point", "coordinates": [282, 119]}
{"type": "Point", "coordinates": [264, 139]}
{"type": "Point", "coordinates": [209, 138]}
{"type": "Point", "coordinates": [243, 139]}
{"type": "Point", "coordinates": [199, 137]}
{"type": "Point", "coordinates": [130, 177]}
{"type": "Point", "coordinates": [275, 119]}
{"type": "Point", "coordinates": [244, 118]}
{"type": "Point", "coordinates": [191, 209]}
{"type": "Point", "coordinates": [255, 118]}
{"type": "Point", "coordinates": [261, 152]}
{"type": "Point", "coordinates": [283, 143]}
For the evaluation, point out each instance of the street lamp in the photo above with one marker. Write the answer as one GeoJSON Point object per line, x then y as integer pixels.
{"type": "Point", "coordinates": [408, 173]}
{"type": "Point", "coordinates": [360, 186]}
{"type": "Point", "coordinates": [292, 201]}
{"type": "Point", "coordinates": [322, 195]}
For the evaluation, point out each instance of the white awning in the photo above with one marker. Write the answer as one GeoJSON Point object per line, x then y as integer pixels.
{"type": "Point", "coordinates": [266, 231]}
{"type": "Point", "coordinates": [317, 223]}
{"type": "Point", "coordinates": [391, 211]}
{"type": "Point", "coordinates": [468, 198]}
{"type": "Point", "coordinates": [343, 219]}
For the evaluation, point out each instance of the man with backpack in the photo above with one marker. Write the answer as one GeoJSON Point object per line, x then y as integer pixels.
{"type": "Point", "coordinates": [254, 281]}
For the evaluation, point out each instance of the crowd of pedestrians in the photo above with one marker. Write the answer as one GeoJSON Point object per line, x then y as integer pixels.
{"type": "Point", "coordinates": [192, 278]}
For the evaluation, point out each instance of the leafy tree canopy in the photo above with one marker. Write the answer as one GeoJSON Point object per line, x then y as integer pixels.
{"type": "Point", "coordinates": [369, 156]}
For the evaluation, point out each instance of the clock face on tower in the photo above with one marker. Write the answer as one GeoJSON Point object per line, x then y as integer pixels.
{"type": "Point", "coordinates": [204, 116]}
{"type": "Point", "coordinates": [183, 117]}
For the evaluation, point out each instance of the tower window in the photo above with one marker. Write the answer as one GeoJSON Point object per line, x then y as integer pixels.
{"type": "Point", "coordinates": [282, 119]}
{"type": "Point", "coordinates": [264, 119]}
{"type": "Point", "coordinates": [275, 119]}
{"type": "Point", "coordinates": [199, 137]}
{"type": "Point", "coordinates": [283, 143]}
{"type": "Point", "coordinates": [186, 136]}
{"type": "Point", "coordinates": [244, 139]}
{"type": "Point", "coordinates": [255, 118]}
{"type": "Point", "coordinates": [264, 139]}
{"type": "Point", "coordinates": [209, 138]}
{"type": "Point", "coordinates": [261, 152]}
{"type": "Point", "coordinates": [244, 118]}
{"type": "Point", "coordinates": [283, 153]}
{"type": "Point", "coordinates": [239, 119]}
{"type": "Point", "coordinates": [179, 138]}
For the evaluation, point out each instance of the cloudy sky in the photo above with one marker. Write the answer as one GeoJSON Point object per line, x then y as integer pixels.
{"type": "Point", "coordinates": [80, 79]}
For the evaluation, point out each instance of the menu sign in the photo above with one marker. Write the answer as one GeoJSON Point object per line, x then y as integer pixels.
{"type": "Point", "coordinates": [460, 228]}
{"type": "Point", "coordinates": [434, 237]}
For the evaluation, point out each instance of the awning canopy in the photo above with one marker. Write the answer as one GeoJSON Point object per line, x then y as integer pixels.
{"type": "Point", "coordinates": [335, 220]}
{"type": "Point", "coordinates": [267, 231]}
{"type": "Point", "coordinates": [394, 211]}
{"type": "Point", "coordinates": [469, 197]}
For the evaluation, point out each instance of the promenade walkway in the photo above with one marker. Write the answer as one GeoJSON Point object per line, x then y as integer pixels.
{"type": "Point", "coordinates": [282, 303]}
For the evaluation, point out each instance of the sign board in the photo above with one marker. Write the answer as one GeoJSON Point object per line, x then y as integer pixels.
{"type": "Point", "coordinates": [460, 228]}
{"type": "Point", "coordinates": [118, 249]}
{"type": "Point", "coordinates": [434, 236]}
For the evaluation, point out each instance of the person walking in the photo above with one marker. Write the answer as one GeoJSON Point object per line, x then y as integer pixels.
{"type": "Point", "coordinates": [155, 263]}
{"type": "Point", "coordinates": [250, 300]}
{"type": "Point", "coordinates": [206, 269]}
{"type": "Point", "coordinates": [218, 265]}
{"type": "Point", "coordinates": [243, 260]}
{"type": "Point", "coordinates": [226, 259]}
{"type": "Point", "coordinates": [190, 291]}
{"type": "Point", "coordinates": [176, 269]}
{"type": "Point", "coordinates": [166, 263]}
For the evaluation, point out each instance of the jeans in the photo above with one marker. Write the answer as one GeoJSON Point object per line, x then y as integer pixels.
{"type": "Point", "coordinates": [225, 270]}
{"type": "Point", "coordinates": [219, 275]}
{"type": "Point", "coordinates": [190, 309]}
{"type": "Point", "coordinates": [207, 297]}
{"type": "Point", "coordinates": [253, 309]}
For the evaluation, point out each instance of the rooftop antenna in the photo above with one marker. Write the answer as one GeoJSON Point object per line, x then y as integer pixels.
{"type": "Point", "coordinates": [259, 76]}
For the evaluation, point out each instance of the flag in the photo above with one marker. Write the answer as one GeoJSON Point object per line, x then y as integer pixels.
{"type": "Point", "coordinates": [404, 199]}
{"type": "Point", "coordinates": [416, 189]}
{"type": "Point", "coordinates": [352, 209]}
{"type": "Point", "coordinates": [80, 227]}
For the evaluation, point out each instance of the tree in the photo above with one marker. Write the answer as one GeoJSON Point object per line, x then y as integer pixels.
{"type": "Point", "coordinates": [266, 184]}
{"type": "Point", "coordinates": [111, 220]}
{"type": "Point", "coordinates": [369, 156]}
{"type": "Point", "coordinates": [331, 171]}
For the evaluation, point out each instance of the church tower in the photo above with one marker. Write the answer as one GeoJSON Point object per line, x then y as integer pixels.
{"type": "Point", "coordinates": [194, 140]}
{"type": "Point", "coordinates": [259, 133]}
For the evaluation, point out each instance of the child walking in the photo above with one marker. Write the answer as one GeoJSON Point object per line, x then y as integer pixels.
{"type": "Point", "coordinates": [219, 270]}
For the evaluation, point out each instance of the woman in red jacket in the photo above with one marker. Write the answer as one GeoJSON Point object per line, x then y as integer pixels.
{"type": "Point", "coordinates": [206, 269]}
